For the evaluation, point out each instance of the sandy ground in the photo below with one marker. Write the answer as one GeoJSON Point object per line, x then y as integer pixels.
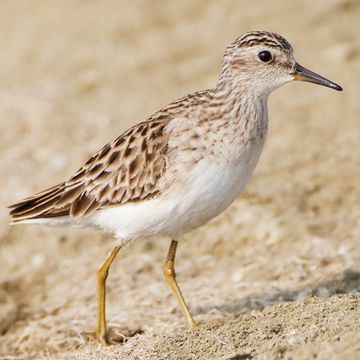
{"type": "Point", "coordinates": [277, 276]}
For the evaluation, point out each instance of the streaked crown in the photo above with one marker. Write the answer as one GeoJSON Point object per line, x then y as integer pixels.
{"type": "Point", "coordinates": [264, 38]}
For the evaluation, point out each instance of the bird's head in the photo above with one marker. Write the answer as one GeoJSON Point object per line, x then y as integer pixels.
{"type": "Point", "coordinates": [263, 61]}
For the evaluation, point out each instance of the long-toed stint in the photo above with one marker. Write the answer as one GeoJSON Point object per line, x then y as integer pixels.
{"type": "Point", "coordinates": [181, 167]}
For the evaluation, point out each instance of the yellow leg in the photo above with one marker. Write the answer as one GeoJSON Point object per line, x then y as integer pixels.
{"type": "Point", "coordinates": [102, 274]}
{"type": "Point", "coordinates": [170, 276]}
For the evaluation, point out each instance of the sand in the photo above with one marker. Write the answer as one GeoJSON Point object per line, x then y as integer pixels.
{"type": "Point", "coordinates": [276, 276]}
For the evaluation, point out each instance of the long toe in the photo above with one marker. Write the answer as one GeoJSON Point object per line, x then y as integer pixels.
{"type": "Point", "coordinates": [103, 340]}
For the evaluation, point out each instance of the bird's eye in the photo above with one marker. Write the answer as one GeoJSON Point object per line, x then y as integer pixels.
{"type": "Point", "coordinates": [265, 56]}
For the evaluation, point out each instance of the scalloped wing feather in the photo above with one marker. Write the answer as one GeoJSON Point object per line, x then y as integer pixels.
{"type": "Point", "coordinates": [126, 169]}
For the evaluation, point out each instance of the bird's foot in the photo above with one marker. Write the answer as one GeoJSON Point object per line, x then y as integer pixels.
{"type": "Point", "coordinates": [115, 336]}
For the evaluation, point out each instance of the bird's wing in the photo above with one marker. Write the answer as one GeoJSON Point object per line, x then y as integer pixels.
{"type": "Point", "coordinates": [126, 169]}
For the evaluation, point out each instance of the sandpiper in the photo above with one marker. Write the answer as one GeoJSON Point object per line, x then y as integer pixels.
{"type": "Point", "coordinates": [181, 167]}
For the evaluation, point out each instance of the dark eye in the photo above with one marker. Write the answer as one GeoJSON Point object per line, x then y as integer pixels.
{"type": "Point", "coordinates": [265, 56]}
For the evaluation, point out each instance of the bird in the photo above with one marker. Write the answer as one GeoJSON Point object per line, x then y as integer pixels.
{"type": "Point", "coordinates": [179, 168]}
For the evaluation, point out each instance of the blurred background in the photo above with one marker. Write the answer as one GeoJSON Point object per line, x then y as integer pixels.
{"type": "Point", "coordinates": [74, 75]}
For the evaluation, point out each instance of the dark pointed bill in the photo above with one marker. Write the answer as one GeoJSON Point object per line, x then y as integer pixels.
{"type": "Point", "coordinates": [304, 74]}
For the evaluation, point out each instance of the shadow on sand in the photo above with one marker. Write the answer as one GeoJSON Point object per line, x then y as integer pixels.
{"type": "Point", "coordinates": [347, 282]}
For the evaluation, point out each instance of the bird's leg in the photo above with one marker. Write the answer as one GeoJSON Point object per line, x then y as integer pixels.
{"type": "Point", "coordinates": [102, 274]}
{"type": "Point", "coordinates": [170, 276]}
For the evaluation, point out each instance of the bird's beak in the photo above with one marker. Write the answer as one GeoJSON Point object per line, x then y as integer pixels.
{"type": "Point", "coordinates": [304, 74]}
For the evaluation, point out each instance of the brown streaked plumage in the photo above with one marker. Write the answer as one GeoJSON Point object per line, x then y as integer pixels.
{"type": "Point", "coordinates": [126, 169]}
{"type": "Point", "coordinates": [180, 168]}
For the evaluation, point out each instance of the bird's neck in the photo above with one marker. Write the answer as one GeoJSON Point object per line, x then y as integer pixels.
{"type": "Point", "coordinates": [243, 109]}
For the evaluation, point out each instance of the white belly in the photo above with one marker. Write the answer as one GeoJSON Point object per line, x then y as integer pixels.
{"type": "Point", "coordinates": [209, 189]}
{"type": "Point", "coordinates": [213, 188]}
